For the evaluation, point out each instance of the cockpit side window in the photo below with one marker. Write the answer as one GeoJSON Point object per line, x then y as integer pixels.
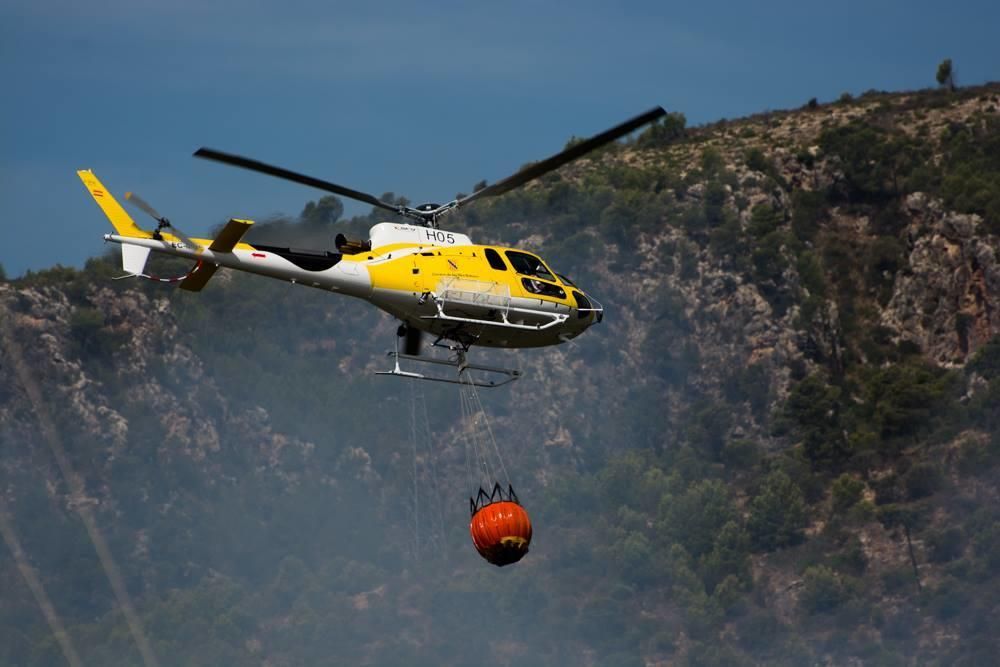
{"type": "Point", "coordinates": [493, 257]}
{"type": "Point", "coordinates": [528, 265]}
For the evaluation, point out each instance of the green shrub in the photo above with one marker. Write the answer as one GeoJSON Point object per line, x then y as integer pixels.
{"type": "Point", "coordinates": [846, 491]}
{"type": "Point", "coordinates": [902, 625]}
{"type": "Point", "coordinates": [695, 517]}
{"type": "Point", "coordinates": [884, 259]}
{"type": "Point", "coordinates": [667, 130]}
{"type": "Point", "coordinates": [948, 600]}
{"type": "Point", "coordinates": [862, 512]}
{"type": "Point", "coordinates": [922, 480]}
{"type": "Point", "coordinates": [971, 168]}
{"type": "Point", "coordinates": [764, 219]}
{"type": "Point", "coordinates": [729, 558]}
{"type": "Point", "coordinates": [822, 590]}
{"type": "Point", "coordinates": [813, 412]}
{"type": "Point", "coordinates": [617, 480]}
{"type": "Point", "coordinates": [914, 516]}
{"type": "Point", "coordinates": [728, 594]}
{"type": "Point", "coordinates": [888, 489]}
{"type": "Point", "coordinates": [712, 162]}
{"type": "Point", "coordinates": [904, 399]}
{"type": "Point", "coordinates": [808, 211]}
{"type": "Point", "coordinates": [876, 162]}
{"type": "Point", "coordinates": [759, 630]}
{"type": "Point", "coordinates": [741, 454]}
{"type": "Point", "coordinates": [850, 558]}
{"type": "Point", "coordinates": [976, 457]}
{"type": "Point", "coordinates": [93, 338]}
{"type": "Point", "coordinates": [726, 240]}
{"type": "Point", "coordinates": [632, 556]}
{"type": "Point", "coordinates": [689, 260]}
{"type": "Point", "coordinates": [713, 654]}
{"type": "Point", "coordinates": [945, 545]}
{"type": "Point", "coordinates": [986, 360]}
{"type": "Point", "coordinates": [757, 161]}
{"type": "Point", "coordinates": [987, 545]}
{"type": "Point", "coordinates": [777, 513]}
{"type": "Point", "coordinates": [84, 323]}
{"type": "Point", "coordinates": [889, 220]}
{"type": "Point", "coordinates": [805, 158]}
{"type": "Point", "coordinates": [713, 203]}
{"type": "Point", "coordinates": [707, 428]}
{"type": "Point", "coordinates": [769, 263]}
{"type": "Point", "coordinates": [899, 580]}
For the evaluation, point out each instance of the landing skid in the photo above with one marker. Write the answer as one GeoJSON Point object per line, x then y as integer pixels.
{"type": "Point", "coordinates": [507, 375]}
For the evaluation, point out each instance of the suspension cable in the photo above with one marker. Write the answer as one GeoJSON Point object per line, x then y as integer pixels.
{"type": "Point", "coordinates": [435, 505]}
{"type": "Point", "coordinates": [489, 432]}
{"type": "Point", "coordinates": [416, 485]}
{"type": "Point", "coordinates": [472, 434]}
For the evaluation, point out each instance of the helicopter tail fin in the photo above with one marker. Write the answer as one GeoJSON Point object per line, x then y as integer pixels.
{"type": "Point", "coordinates": [122, 222]}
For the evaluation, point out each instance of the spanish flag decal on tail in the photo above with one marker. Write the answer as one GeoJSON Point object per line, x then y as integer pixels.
{"type": "Point", "coordinates": [122, 222]}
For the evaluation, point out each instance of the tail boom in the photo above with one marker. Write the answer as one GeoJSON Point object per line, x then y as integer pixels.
{"type": "Point", "coordinates": [344, 277]}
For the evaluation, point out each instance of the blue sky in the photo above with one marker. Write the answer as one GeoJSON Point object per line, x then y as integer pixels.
{"type": "Point", "coordinates": [423, 99]}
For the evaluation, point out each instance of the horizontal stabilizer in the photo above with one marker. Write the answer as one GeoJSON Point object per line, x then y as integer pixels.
{"type": "Point", "coordinates": [134, 259]}
{"type": "Point", "coordinates": [195, 281]}
{"type": "Point", "coordinates": [230, 235]}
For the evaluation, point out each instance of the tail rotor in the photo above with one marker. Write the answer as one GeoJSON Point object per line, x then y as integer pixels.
{"type": "Point", "coordinates": [161, 222]}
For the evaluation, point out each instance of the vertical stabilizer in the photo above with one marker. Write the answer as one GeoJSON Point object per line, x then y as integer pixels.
{"type": "Point", "coordinates": [120, 220]}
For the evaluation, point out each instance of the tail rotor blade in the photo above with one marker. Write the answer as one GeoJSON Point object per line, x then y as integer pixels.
{"type": "Point", "coordinates": [142, 205]}
{"type": "Point", "coordinates": [183, 237]}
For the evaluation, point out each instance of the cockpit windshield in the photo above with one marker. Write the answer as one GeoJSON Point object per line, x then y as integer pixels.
{"type": "Point", "coordinates": [565, 280]}
{"type": "Point", "coordinates": [528, 265]}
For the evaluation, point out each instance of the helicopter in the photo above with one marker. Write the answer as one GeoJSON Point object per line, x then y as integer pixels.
{"type": "Point", "coordinates": [432, 280]}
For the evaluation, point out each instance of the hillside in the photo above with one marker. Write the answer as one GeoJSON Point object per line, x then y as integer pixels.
{"type": "Point", "coordinates": [780, 446]}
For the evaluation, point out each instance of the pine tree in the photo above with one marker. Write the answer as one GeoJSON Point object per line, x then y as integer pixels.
{"type": "Point", "coordinates": [777, 513]}
{"type": "Point", "coordinates": [946, 74]}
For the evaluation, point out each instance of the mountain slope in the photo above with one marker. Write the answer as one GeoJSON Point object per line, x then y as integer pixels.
{"type": "Point", "coordinates": [779, 446]}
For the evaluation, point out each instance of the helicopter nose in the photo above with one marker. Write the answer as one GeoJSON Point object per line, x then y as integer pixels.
{"type": "Point", "coordinates": [587, 306]}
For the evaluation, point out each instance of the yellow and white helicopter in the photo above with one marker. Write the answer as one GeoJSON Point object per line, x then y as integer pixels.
{"type": "Point", "coordinates": [432, 280]}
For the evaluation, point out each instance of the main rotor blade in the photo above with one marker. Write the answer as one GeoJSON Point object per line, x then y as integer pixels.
{"type": "Point", "coordinates": [142, 205]}
{"type": "Point", "coordinates": [559, 159]}
{"type": "Point", "coordinates": [271, 170]}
